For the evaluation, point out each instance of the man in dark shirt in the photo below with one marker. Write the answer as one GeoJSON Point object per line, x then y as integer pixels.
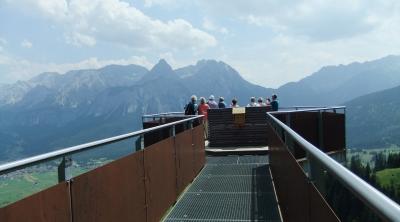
{"type": "Point", "coordinates": [221, 103]}
{"type": "Point", "coordinates": [274, 103]}
{"type": "Point", "coordinates": [191, 107]}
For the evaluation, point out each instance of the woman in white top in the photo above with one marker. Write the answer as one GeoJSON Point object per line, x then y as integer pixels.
{"type": "Point", "coordinates": [252, 102]}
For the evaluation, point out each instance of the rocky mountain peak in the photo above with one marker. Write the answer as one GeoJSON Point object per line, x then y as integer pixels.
{"type": "Point", "coordinates": [162, 67]}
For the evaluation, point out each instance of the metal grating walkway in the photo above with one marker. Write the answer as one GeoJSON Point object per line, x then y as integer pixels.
{"type": "Point", "coordinates": [229, 188]}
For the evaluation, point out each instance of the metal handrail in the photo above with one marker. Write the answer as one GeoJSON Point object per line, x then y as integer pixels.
{"type": "Point", "coordinates": [168, 116]}
{"type": "Point", "coordinates": [309, 110]}
{"type": "Point", "coordinates": [301, 107]}
{"type": "Point", "coordinates": [377, 201]}
{"type": "Point", "coordinates": [161, 114]}
{"type": "Point", "coordinates": [20, 164]}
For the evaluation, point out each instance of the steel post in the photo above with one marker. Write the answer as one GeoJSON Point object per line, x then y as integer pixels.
{"type": "Point", "coordinates": [64, 169]}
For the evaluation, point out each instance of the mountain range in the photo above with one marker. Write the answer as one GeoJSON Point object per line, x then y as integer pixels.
{"type": "Point", "coordinates": [52, 110]}
{"type": "Point", "coordinates": [334, 85]}
{"type": "Point", "coordinates": [373, 120]}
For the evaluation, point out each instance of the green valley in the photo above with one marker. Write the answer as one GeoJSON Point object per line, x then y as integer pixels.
{"type": "Point", "coordinates": [20, 184]}
{"type": "Point", "coordinates": [389, 177]}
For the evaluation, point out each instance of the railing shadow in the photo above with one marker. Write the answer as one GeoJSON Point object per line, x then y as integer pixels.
{"type": "Point", "coordinates": [263, 205]}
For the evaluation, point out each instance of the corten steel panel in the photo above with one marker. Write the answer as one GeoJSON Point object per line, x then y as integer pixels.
{"type": "Point", "coordinates": [306, 125]}
{"type": "Point", "coordinates": [156, 136]}
{"type": "Point", "coordinates": [160, 174]}
{"type": "Point", "coordinates": [291, 183]}
{"type": "Point", "coordinates": [321, 211]}
{"type": "Point", "coordinates": [152, 137]}
{"type": "Point", "coordinates": [333, 131]}
{"type": "Point", "coordinates": [113, 192]}
{"type": "Point", "coordinates": [224, 132]}
{"type": "Point", "coordinates": [52, 204]}
{"type": "Point", "coordinates": [178, 128]}
{"type": "Point", "coordinates": [281, 117]}
{"type": "Point", "coordinates": [150, 124]}
{"type": "Point", "coordinates": [220, 116]}
{"type": "Point", "coordinates": [184, 159]}
{"type": "Point", "coordinates": [199, 148]}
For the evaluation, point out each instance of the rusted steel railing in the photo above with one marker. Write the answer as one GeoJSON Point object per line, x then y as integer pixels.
{"type": "Point", "coordinates": [383, 206]}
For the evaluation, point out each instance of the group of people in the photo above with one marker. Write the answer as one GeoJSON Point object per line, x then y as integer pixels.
{"type": "Point", "coordinates": [260, 102]}
{"type": "Point", "coordinates": [192, 108]}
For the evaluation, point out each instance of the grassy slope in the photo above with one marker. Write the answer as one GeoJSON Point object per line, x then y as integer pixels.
{"type": "Point", "coordinates": [22, 186]}
{"type": "Point", "coordinates": [388, 176]}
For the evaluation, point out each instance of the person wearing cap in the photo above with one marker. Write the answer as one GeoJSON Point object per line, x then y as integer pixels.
{"type": "Point", "coordinates": [274, 103]}
{"type": "Point", "coordinates": [211, 102]}
{"type": "Point", "coordinates": [221, 103]}
{"type": "Point", "coordinates": [252, 102]}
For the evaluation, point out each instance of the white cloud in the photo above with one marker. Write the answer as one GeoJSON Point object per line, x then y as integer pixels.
{"type": "Point", "coordinates": [87, 22]}
{"type": "Point", "coordinates": [79, 39]}
{"type": "Point", "coordinates": [270, 41]}
{"type": "Point", "coordinates": [288, 58]}
{"type": "Point", "coordinates": [21, 69]}
{"type": "Point", "coordinates": [264, 21]}
{"type": "Point", "coordinates": [52, 9]}
{"type": "Point", "coordinates": [315, 20]}
{"type": "Point", "coordinates": [4, 60]}
{"type": "Point", "coordinates": [151, 3]}
{"type": "Point", "coordinates": [26, 44]}
{"type": "Point", "coordinates": [169, 57]}
{"type": "Point", "coordinates": [209, 25]}
{"type": "Point", "coordinates": [299, 37]}
{"type": "Point", "coordinates": [3, 41]}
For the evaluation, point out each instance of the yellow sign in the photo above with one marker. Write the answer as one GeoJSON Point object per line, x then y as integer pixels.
{"type": "Point", "coordinates": [239, 110]}
{"type": "Point", "coordinates": [239, 115]}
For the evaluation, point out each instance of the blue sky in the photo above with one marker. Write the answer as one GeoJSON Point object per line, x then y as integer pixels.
{"type": "Point", "coordinates": [270, 42]}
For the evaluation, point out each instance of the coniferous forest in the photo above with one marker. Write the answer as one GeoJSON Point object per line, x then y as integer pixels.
{"type": "Point", "coordinates": [383, 175]}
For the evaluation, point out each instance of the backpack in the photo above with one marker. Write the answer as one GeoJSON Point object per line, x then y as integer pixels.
{"type": "Point", "coordinates": [189, 110]}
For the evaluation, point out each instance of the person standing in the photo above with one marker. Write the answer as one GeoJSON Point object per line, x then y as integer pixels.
{"type": "Point", "coordinates": [274, 103]}
{"type": "Point", "coordinates": [203, 110]}
{"type": "Point", "coordinates": [221, 103]}
{"type": "Point", "coordinates": [267, 101]}
{"type": "Point", "coordinates": [261, 102]}
{"type": "Point", "coordinates": [191, 107]}
{"type": "Point", "coordinates": [234, 103]}
{"type": "Point", "coordinates": [252, 102]}
{"type": "Point", "coordinates": [211, 102]}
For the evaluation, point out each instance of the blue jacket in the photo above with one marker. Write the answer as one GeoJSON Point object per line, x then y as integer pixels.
{"type": "Point", "coordinates": [221, 105]}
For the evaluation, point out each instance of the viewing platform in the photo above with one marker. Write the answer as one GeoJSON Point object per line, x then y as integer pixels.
{"type": "Point", "coordinates": [229, 188]}
{"type": "Point", "coordinates": [256, 165]}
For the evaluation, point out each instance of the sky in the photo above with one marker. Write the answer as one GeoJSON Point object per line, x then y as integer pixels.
{"type": "Point", "coordinates": [270, 42]}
